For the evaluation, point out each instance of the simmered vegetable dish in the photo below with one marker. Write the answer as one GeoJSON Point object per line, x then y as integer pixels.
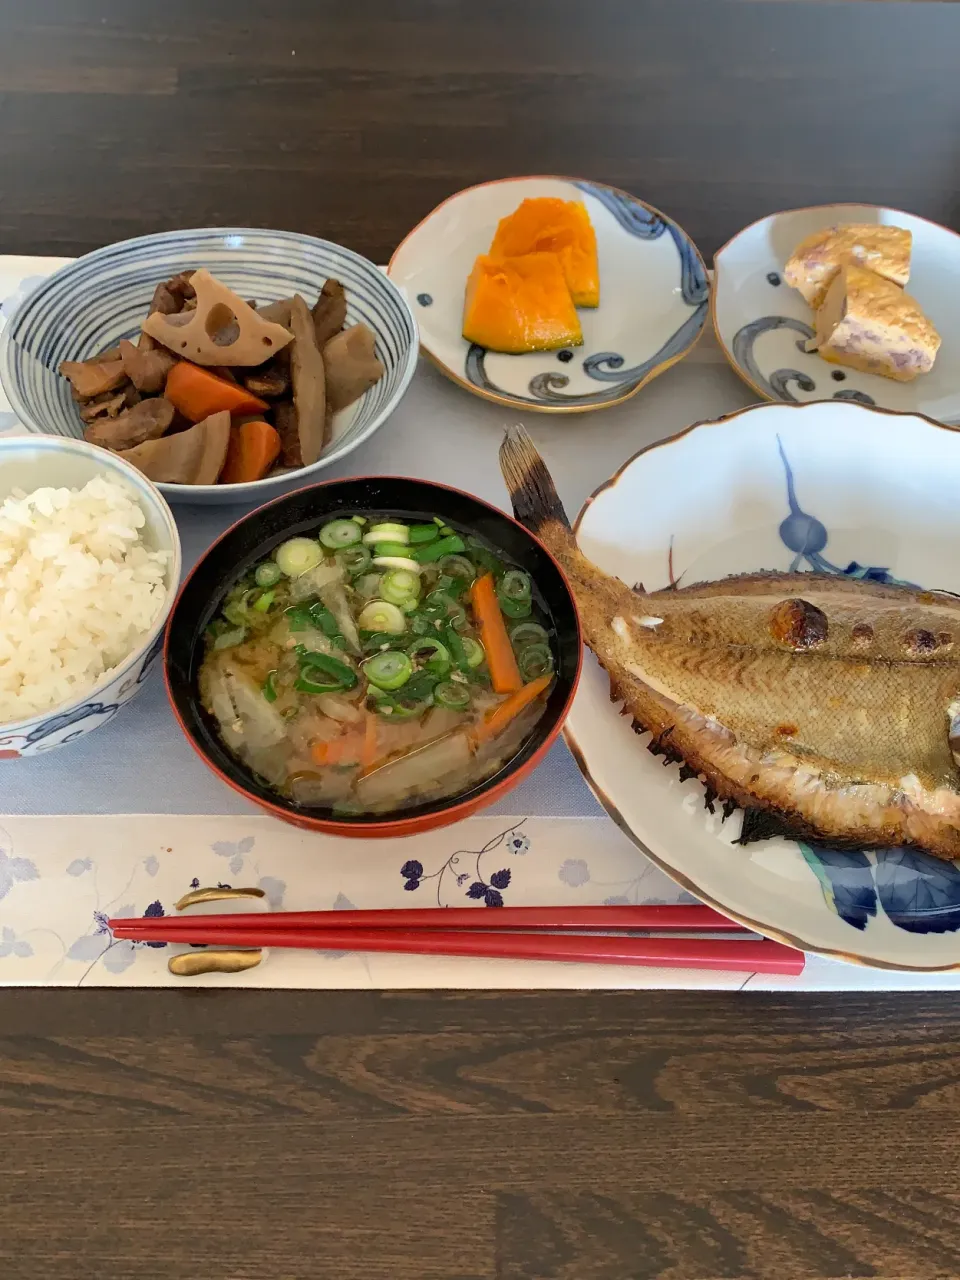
{"type": "Point", "coordinates": [383, 663]}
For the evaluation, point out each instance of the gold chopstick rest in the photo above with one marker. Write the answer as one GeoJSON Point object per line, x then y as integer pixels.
{"type": "Point", "coordinates": [191, 963]}
{"type": "Point", "coordinates": [196, 896]}
{"type": "Point", "coordinates": [220, 959]}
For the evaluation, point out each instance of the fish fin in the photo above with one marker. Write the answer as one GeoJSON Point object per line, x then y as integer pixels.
{"type": "Point", "coordinates": [772, 824]}
{"type": "Point", "coordinates": [532, 491]}
{"type": "Point", "coordinates": [658, 744]}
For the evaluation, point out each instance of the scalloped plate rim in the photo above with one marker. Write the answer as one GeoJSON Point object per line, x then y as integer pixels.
{"type": "Point", "coordinates": [529, 404]}
{"type": "Point", "coordinates": [587, 756]}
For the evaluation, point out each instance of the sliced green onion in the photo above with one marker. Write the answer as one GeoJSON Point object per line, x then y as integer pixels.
{"type": "Point", "coordinates": [227, 639]}
{"type": "Point", "coordinates": [438, 522]}
{"type": "Point", "coordinates": [340, 533]}
{"type": "Point", "coordinates": [359, 519]}
{"type": "Point", "coordinates": [515, 585]}
{"type": "Point", "coordinates": [391, 549]}
{"type": "Point", "coordinates": [390, 670]}
{"type": "Point", "coordinates": [267, 574]}
{"type": "Point", "coordinates": [422, 533]}
{"type": "Point", "coordinates": [431, 654]}
{"type": "Point", "coordinates": [314, 665]}
{"type": "Point", "coordinates": [298, 617]}
{"type": "Point", "coordinates": [353, 560]}
{"type": "Point", "coordinates": [402, 707]}
{"type": "Point", "coordinates": [430, 552]}
{"type": "Point", "coordinates": [381, 615]}
{"type": "Point", "coordinates": [454, 696]}
{"type": "Point", "coordinates": [438, 604]}
{"type": "Point", "coordinates": [395, 562]}
{"type": "Point", "coordinates": [421, 624]}
{"type": "Point", "coordinates": [263, 602]}
{"type": "Point", "coordinates": [458, 652]}
{"type": "Point", "coordinates": [514, 608]}
{"type": "Point", "coordinates": [368, 587]}
{"type": "Point", "coordinates": [387, 532]}
{"type": "Point", "coordinates": [447, 532]}
{"type": "Point", "coordinates": [476, 656]}
{"type": "Point", "coordinates": [535, 661]}
{"type": "Point", "coordinates": [421, 685]}
{"type": "Point", "coordinates": [305, 683]}
{"type": "Point", "coordinates": [482, 556]}
{"type": "Point", "coordinates": [454, 587]}
{"type": "Point", "coordinates": [269, 689]}
{"type": "Point", "coordinates": [372, 641]}
{"type": "Point", "coordinates": [298, 556]}
{"type": "Point", "coordinates": [322, 618]}
{"type": "Point", "coordinates": [525, 633]}
{"type": "Point", "coordinates": [235, 611]}
{"type": "Point", "coordinates": [458, 567]}
{"type": "Point", "coordinates": [400, 585]}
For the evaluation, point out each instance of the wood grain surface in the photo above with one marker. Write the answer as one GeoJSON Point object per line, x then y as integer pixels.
{"type": "Point", "coordinates": [471, 1136]}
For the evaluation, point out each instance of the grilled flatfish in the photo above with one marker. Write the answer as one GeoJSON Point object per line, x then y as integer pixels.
{"type": "Point", "coordinates": [825, 707]}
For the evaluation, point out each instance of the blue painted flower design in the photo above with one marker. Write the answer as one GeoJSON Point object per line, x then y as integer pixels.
{"type": "Point", "coordinates": [807, 537]}
{"type": "Point", "coordinates": [574, 872]}
{"type": "Point", "coordinates": [917, 892]}
{"type": "Point", "coordinates": [11, 945]}
{"type": "Point", "coordinates": [480, 888]}
{"type": "Point", "coordinates": [14, 870]}
{"type": "Point", "coordinates": [235, 850]}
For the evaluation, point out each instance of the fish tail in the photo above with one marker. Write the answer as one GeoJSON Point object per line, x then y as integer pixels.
{"type": "Point", "coordinates": [536, 503]}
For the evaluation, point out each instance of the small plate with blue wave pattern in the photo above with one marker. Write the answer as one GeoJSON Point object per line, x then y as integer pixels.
{"type": "Point", "coordinates": [653, 297]}
{"type": "Point", "coordinates": [762, 324]}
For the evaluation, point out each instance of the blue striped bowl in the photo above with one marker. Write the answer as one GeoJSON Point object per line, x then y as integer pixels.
{"type": "Point", "coordinates": [102, 297]}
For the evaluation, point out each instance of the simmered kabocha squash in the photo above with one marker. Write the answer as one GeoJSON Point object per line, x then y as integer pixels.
{"type": "Point", "coordinates": [563, 227]}
{"type": "Point", "coordinates": [520, 304]}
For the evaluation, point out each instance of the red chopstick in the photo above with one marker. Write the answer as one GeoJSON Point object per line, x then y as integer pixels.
{"type": "Point", "coordinates": [672, 953]}
{"type": "Point", "coordinates": [693, 918]}
{"type": "Point", "coordinates": [559, 934]}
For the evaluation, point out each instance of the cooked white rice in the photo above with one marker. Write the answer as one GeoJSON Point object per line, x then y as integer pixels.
{"type": "Point", "coordinates": [78, 592]}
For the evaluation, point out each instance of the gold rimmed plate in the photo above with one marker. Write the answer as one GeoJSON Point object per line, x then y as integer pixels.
{"type": "Point", "coordinates": [831, 487]}
{"type": "Point", "coordinates": [763, 325]}
{"type": "Point", "coordinates": [653, 297]}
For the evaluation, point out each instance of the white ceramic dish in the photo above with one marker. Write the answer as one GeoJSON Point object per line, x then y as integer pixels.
{"type": "Point", "coordinates": [869, 492]}
{"type": "Point", "coordinates": [102, 297]}
{"type": "Point", "coordinates": [32, 462]}
{"type": "Point", "coordinates": [653, 297]}
{"type": "Point", "coordinates": [762, 324]}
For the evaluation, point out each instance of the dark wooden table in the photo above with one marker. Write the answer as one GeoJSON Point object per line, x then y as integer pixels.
{"type": "Point", "coordinates": [446, 1136]}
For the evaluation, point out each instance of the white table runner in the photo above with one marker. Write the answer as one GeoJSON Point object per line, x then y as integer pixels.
{"type": "Point", "coordinates": [128, 819]}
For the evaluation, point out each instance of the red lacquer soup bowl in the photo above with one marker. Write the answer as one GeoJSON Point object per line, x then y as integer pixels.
{"type": "Point", "coordinates": [259, 533]}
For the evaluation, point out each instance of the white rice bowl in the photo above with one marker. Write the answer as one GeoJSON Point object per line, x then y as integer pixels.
{"type": "Point", "coordinates": [79, 591]}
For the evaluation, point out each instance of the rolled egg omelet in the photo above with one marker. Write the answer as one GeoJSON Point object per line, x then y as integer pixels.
{"type": "Point", "coordinates": [869, 323]}
{"type": "Point", "coordinates": [815, 261]}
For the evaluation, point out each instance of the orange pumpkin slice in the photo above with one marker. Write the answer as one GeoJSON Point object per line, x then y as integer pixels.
{"type": "Point", "coordinates": [563, 227]}
{"type": "Point", "coordinates": [520, 304]}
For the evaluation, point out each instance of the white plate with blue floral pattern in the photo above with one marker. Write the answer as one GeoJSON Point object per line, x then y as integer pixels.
{"type": "Point", "coordinates": [762, 324]}
{"type": "Point", "coordinates": [653, 297]}
{"type": "Point", "coordinates": [833, 487]}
